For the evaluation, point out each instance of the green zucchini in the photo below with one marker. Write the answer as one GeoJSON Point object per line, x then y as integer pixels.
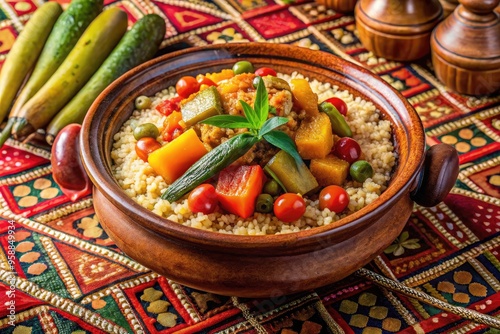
{"type": "Point", "coordinates": [96, 43]}
{"type": "Point", "coordinates": [205, 104]}
{"type": "Point", "coordinates": [209, 165]}
{"type": "Point", "coordinates": [138, 45]}
{"type": "Point", "coordinates": [296, 178]}
{"type": "Point", "coordinates": [63, 37]}
{"type": "Point", "coordinates": [25, 52]}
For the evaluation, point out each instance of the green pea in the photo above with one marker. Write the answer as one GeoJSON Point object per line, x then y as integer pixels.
{"type": "Point", "coordinates": [243, 67]}
{"type": "Point", "coordinates": [146, 130]}
{"type": "Point", "coordinates": [142, 102]}
{"type": "Point", "coordinates": [264, 203]}
{"type": "Point", "coordinates": [271, 187]}
{"type": "Point", "coordinates": [361, 170]}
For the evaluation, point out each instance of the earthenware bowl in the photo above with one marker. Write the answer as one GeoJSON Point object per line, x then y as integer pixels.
{"type": "Point", "coordinates": [261, 266]}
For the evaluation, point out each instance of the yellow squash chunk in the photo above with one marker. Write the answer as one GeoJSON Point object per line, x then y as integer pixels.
{"type": "Point", "coordinates": [173, 159]}
{"type": "Point", "coordinates": [314, 138]}
{"type": "Point", "coordinates": [219, 76]}
{"type": "Point", "coordinates": [304, 96]}
{"type": "Point", "coordinates": [329, 170]}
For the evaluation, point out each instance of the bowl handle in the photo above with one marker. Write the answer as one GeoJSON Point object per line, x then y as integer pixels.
{"type": "Point", "coordinates": [438, 175]}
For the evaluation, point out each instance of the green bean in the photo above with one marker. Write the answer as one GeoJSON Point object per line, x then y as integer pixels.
{"type": "Point", "coordinates": [339, 124]}
{"type": "Point", "coordinates": [264, 203]}
{"type": "Point", "coordinates": [361, 170]}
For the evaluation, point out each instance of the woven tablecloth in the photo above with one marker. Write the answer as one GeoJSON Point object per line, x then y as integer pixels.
{"type": "Point", "coordinates": [69, 277]}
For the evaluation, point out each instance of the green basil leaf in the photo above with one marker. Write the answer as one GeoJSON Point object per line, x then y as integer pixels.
{"type": "Point", "coordinates": [283, 141]}
{"type": "Point", "coordinates": [250, 114]}
{"type": "Point", "coordinates": [272, 124]}
{"type": "Point", "coordinates": [261, 104]}
{"type": "Point", "coordinates": [228, 121]}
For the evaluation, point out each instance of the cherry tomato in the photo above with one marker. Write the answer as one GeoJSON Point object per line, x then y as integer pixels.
{"type": "Point", "coordinates": [187, 86]}
{"type": "Point", "coordinates": [289, 207]}
{"type": "Point", "coordinates": [334, 198]}
{"type": "Point", "coordinates": [265, 71]}
{"type": "Point", "coordinates": [203, 80]}
{"type": "Point", "coordinates": [339, 104]}
{"type": "Point", "coordinates": [347, 149]}
{"type": "Point", "coordinates": [203, 199]}
{"type": "Point", "coordinates": [145, 146]}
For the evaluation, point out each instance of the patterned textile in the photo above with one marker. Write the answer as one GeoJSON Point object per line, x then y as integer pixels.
{"type": "Point", "coordinates": [69, 277]}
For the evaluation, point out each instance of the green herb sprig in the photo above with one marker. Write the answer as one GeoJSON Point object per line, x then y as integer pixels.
{"type": "Point", "coordinates": [257, 122]}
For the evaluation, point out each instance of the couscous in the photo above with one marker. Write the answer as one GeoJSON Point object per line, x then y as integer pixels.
{"type": "Point", "coordinates": [140, 177]}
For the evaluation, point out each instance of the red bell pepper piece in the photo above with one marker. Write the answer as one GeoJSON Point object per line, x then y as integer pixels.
{"type": "Point", "coordinates": [169, 106]}
{"type": "Point", "coordinates": [238, 187]}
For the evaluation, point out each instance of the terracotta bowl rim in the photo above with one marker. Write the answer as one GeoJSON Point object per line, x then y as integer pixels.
{"type": "Point", "coordinates": [105, 183]}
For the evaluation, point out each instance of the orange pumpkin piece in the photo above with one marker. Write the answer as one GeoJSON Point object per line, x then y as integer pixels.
{"type": "Point", "coordinates": [329, 170]}
{"type": "Point", "coordinates": [304, 96]}
{"type": "Point", "coordinates": [219, 76]}
{"type": "Point", "coordinates": [314, 137]}
{"type": "Point", "coordinates": [172, 160]}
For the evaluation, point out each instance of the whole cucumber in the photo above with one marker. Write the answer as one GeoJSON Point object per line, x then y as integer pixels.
{"type": "Point", "coordinates": [65, 34]}
{"type": "Point", "coordinates": [210, 164]}
{"type": "Point", "coordinates": [66, 31]}
{"type": "Point", "coordinates": [25, 52]}
{"type": "Point", "coordinates": [138, 45]}
{"type": "Point", "coordinates": [90, 51]}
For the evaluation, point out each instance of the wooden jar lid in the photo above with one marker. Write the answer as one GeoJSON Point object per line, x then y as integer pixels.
{"type": "Point", "coordinates": [466, 48]}
{"type": "Point", "coordinates": [397, 29]}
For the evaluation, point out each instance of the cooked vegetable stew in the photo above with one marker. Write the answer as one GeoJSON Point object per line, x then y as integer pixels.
{"type": "Point", "coordinates": [251, 151]}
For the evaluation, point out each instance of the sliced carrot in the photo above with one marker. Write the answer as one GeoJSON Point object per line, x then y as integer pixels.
{"type": "Point", "coordinates": [238, 187]}
{"type": "Point", "coordinates": [173, 159]}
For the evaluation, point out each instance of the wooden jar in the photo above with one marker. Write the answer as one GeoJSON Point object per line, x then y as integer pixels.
{"type": "Point", "coordinates": [466, 48]}
{"type": "Point", "coordinates": [343, 6]}
{"type": "Point", "coordinates": [397, 29]}
{"type": "Point", "coordinates": [448, 6]}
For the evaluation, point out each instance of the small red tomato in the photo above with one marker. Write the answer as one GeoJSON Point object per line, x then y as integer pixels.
{"type": "Point", "coordinates": [339, 104]}
{"type": "Point", "coordinates": [187, 86]}
{"type": "Point", "coordinates": [265, 71]}
{"type": "Point", "coordinates": [347, 149]}
{"type": "Point", "coordinates": [334, 198]}
{"type": "Point", "coordinates": [203, 199]}
{"type": "Point", "coordinates": [203, 80]}
{"type": "Point", "coordinates": [289, 207]}
{"type": "Point", "coordinates": [145, 146]}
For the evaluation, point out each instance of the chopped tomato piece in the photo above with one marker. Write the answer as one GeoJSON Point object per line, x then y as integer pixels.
{"type": "Point", "coordinates": [169, 106]}
{"type": "Point", "coordinates": [238, 188]}
{"type": "Point", "coordinates": [173, 126]}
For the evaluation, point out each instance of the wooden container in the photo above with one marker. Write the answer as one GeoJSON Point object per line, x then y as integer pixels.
{"type": "Point", "coordinates": [271, 265]}
{"type": "Point", "coordinates": [466, 48]}
{"type": "Point", "coordinates": [397, 29]}
{"type": "Point", "coordinates": [343, 6]}
{"type": "Point", "coordinates": [448, 6]}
